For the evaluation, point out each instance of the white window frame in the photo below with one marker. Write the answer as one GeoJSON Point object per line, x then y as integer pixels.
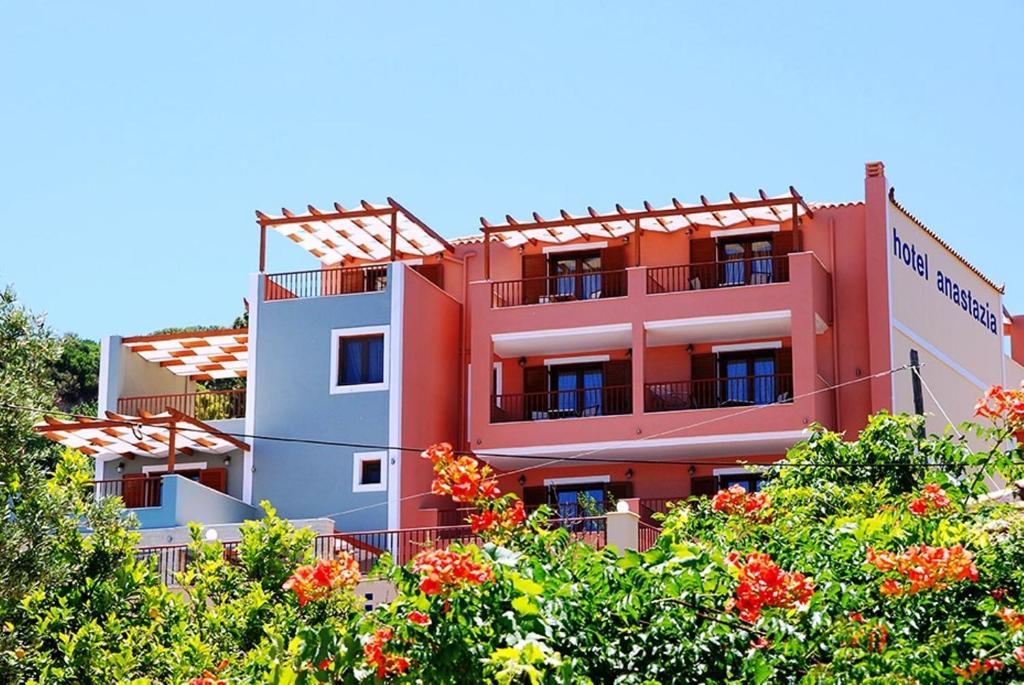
{"type": "Point", "coordinates": [357, 471]}
{"type": "Point", "coordinates": [499, 370]}
{"type": "Point", "coordinates": [336, 335]}
{"type": "Point", "coordinates": [162, 468]}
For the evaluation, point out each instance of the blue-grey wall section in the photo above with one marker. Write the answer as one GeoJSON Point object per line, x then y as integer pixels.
{"type": "Point", "coordinates": [293, 399]}
{"type": "Point", "coordinates": [182, 500]}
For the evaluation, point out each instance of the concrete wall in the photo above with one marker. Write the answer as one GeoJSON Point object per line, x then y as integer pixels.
{"type": "Point", "coordinates": [291, 396]}
{"type": "Point", "coordinates": [124, 373]}
{"type": "Point", "coordinates": [109, 467]}
{"type": "Point", "coordinates": [961, 356]}
{"type": "Point", "coordinates": [183, 500]}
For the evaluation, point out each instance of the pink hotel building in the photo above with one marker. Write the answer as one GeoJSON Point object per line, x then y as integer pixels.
{"type": "Point", "coordinates": [643, 353]}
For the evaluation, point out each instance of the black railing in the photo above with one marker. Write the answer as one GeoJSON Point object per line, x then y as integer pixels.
{"type": "Point", "coordinates": [724, 274]}
{"type": "Point", "coordinates": [593, 285]}
{"type": "Point", "coordinates": [323, 282]}
{"type": "Point", "coordinates": [205, 406]}
{"type": "Point", "coordinates": [738, 391]}
{"type": "Point", "coordinates": [135, 492]}
{"type": "Point", "coordinates": [562, 404]}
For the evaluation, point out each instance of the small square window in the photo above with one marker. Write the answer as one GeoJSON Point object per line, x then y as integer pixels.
{"type": "Point", "coordinates": [369, 471]}
{"type": "Point", "coordinates": [371, 474]}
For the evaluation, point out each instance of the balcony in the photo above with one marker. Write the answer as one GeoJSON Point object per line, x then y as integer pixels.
{"type": "Point", "coordinates": [608, 400]}
{"type": "Point", "coordinates": [292, 285]}
{"type": "Point", "coordinates": [723, 274]}
{"type": "Point", "coordinates": [209, 405]}
{"type": "Point", "coordinates": [735, 391]}
{"type": "Point", "coordinates": [143, 491]}
{"type": "Point", "coordinates": [596, 285]}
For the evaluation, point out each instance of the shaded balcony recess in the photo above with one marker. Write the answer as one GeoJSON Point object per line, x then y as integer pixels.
{"type": "Point", "coordinates": [292, 285]}
{"type": "Point", "coordinates": [604, 400]}
{"type": "Point", "coordinates": [592, 285]}
{"type": "Point", "coordinates": [134, 491]}
{"type": "Point", "coordinates": [721, 274]}
{"type": "Point", "coordinates": [205, 406]}
{"type": "Point", "coordinates": [734, 391]}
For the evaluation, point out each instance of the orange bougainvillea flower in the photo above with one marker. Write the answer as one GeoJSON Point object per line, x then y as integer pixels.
{"type": "Point", "coordinates": [321, 580]}
{"type": "Point", "coordinates": [496, 520]}
{"type": "Point", "coordinates": [419, 618]}
{"type": "Point", "coordinates": [735, 501]}
{"type": "Point", "coordinates": [207, 679]}
{"type": "Point", "coordinates": [464, 479]}
{"type": "Point", "coordinates": [442, 570]}
{"type": "Point", "coordinates": [384, 663]}
{"type": "Point", "coordinates": [932, 499]}
{"type": "Point", "coordinates": [1013, 619]}
{"type": "Point", "coordinates": [1002, 406]}
{"type": "Point", "coordinates": [763, 584]}
{"type": "Point", "coordinates": [978, 667]}
{"type": "Point", "coordinates": [924, 568]}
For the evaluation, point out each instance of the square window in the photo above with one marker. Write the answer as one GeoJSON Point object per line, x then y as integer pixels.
{"type": "Point", "coordinates": [369, 471]}
{"type": "Point", "coordinates": [359, 359]}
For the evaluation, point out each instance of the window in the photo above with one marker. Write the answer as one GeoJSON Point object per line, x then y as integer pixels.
{"type": "Point", "coordinates": [369, 471]}
{"type": "Point", "coordinates": [748, 378]}
{"type": "Point", "coordinates": [577, 390]}
{"type": "Point", "coordinates": [751, 482]}
{"type": "Point", "coordinates": [575, 276]}
{"type": "Point", "coordinates": [745, 261]}
{"type": "Point", "coordinates": [359, 359]}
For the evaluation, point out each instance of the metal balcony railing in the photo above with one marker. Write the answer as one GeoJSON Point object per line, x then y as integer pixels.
{"type": "Point", "coordinates": [737, 391]}
{"type": "Point", "coordinates": [325, 282]}
{"type": "Point", "coordinates": [205, 406]}
{"type": "Point", "coordinates": [593, 285]}
{"type": "Point", "coordinates": [562, 404]}
{"type": "Point", "coordinates": [135, 492]}
{"type": "Point", "coordinates": [724, 274]}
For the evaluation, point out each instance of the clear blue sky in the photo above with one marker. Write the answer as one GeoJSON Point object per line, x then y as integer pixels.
{"type": "Point", "coordinates": [137, 138]}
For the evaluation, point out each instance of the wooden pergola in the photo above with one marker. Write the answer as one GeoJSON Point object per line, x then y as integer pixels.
{"type": "Point", "coordinates": [156, 436]}
{"type": "Point", "coordinates": [737, 212]}
{"type": "Point", "coordinates": [372, 233]}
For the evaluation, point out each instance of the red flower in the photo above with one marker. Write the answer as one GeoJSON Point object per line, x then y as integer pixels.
{"type": "Point", "coordinates": [998, 594]}
{"type": "Point", "coordinates": [320, 581]}
{"type": "Point", "coordinates": [759, 642]}
{"type": "Point", "coordinates": [1013, 619]}
{"type": "Point", "coordinates": [442, 570]}
{"type": "Point", "coordinates": [856, 617]}
{"type": "Point", "coordinates": [1018, 654]}
{"type": "Point", "coordinates": [496, 520]}
{"type": "Point", "coordinates": [763, 584]}
{"type": "Point", "coordinates": [207, 679]}
{"type": "Point", "coordinates": [325, 664]}
{"type": "Point", "coordinates": [463, 478]}
{"type": "Point", "coordinates": [924, 568]}
{"type": "Point", "coordinates": [1003, 407]}
{"type": "Point", "coordinates": [977, 667]}
{"type": "Point", "coordinates": [735, 501]}
{"type": "Point", "coordinates": [376, 656]}
{"type": "Point", "coordinates": [419, 618]}
{"type": "Point", "coordinates": [932, 498]}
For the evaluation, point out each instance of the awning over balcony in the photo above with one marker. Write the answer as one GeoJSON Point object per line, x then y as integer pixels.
{"type": "Point", "coordinates": [737, 212]}
{"type": "Point", "coordinates": [734, 213]}
{"type": "Point", "coordinates": [371, 233]}
{"type": "Point", "coordinates": [200, 355]}
{"type": "Point", "coordinates": [158, 436]}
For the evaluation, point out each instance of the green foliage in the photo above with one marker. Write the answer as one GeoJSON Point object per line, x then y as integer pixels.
{"type": "Point", "coordinates": [76, 375]}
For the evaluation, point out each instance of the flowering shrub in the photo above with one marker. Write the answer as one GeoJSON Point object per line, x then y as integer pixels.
{"type": "Point", "coordinates": [383, 663]}
{"type": "Point", "coordinates": [763, 584]}
{"type": "Point", "coordinates": [870, 562]}
{"type": "Point", "coordinates": [932, 499]}
{"type": "Point", "coordinates": [924, 568]}
{"type": "Point", "coordinates": [321, 580]}
{"type": "Point", "coordinates": [736, 501]}
{"type": "Point", "coordinates": [442, 571]}
{"type": "Point", "coordinates": [463, 478]}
